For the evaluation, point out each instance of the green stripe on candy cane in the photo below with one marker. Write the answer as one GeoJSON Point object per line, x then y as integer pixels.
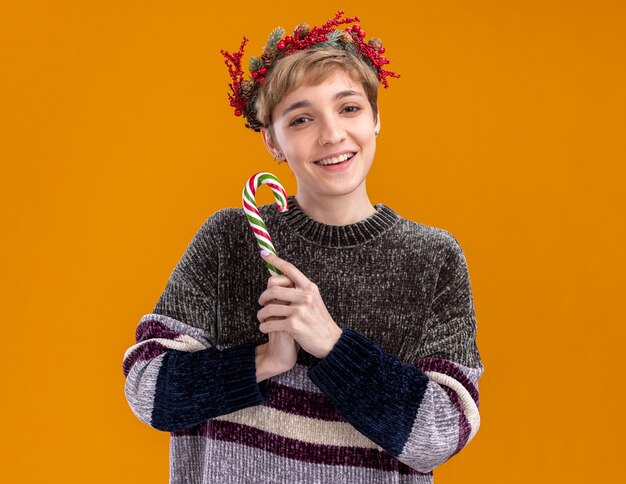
{"type": "Point", "coordinates": [252, 213]}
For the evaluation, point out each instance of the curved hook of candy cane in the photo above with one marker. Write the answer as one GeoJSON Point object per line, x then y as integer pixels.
{"type": "Point", "coordinates": [252, 212]}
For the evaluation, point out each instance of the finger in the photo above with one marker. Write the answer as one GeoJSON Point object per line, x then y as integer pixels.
{"type": "Point", "coordinates": [291, 271]}
{"type": "Point", "coordinates": [272, 318]}
{"type": "Point", "coordinates": [279, 281]}
{"type": "Point", "coordinates": [273, 326]}
{"type": "Point", "coordinates": [273, 311]}
{"type": "Point", "coordinates": [278, 301]}
{"type": "Point", "coordinates": [286, 294]}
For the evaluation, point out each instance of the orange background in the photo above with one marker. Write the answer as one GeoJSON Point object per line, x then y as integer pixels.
{"type": "Point", "coordinates": [507, 128]}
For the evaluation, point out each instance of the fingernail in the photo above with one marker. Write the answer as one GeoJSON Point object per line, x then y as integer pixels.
{"type": "Point", "coordinates": [265, 252]}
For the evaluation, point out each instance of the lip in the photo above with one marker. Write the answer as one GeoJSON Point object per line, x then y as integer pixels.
{"type": "Point", "coordinates": [336, 153]}
{"type": "Point", "coordinates": [339, 166]}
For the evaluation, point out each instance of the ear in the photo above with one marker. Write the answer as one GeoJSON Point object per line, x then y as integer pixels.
{"type": "Point", "coordinates": [377, 127]}
{"type": "Point", "coordinates": [269, 142]}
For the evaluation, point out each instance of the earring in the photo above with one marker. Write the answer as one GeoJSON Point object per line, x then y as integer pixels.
{"type": "Point", "coordinates": [376, 133]}
{"type": "Point", "coordinates": [278, 158]}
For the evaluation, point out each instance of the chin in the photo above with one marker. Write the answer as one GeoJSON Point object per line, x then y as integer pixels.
{"type": "Point", "coordinates": [342, 190]}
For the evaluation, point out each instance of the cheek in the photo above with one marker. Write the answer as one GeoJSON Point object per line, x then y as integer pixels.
{"type": "Point", "coordinates": [300, 148]}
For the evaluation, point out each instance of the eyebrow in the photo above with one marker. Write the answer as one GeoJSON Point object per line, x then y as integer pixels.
{"type": "Point", "coordinates": [336, 97]}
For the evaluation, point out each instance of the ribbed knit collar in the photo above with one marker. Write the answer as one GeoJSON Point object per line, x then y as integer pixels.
{"type": "Point", "coordinates": [339, 235]}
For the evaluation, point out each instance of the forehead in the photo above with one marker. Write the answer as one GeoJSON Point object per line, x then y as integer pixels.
{"type": "Point", "coordinates": [320, 90]}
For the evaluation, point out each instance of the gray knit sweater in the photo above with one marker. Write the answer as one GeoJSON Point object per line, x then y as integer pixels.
{"type": "Point", "coordinates": [396, 396]}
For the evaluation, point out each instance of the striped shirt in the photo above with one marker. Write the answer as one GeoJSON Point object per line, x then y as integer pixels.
{"type": "Point", "coordinates": [396, 397]}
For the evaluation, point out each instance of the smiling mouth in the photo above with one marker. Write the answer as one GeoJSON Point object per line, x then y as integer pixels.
{"type": "Point", "coordinates": [335, 160]}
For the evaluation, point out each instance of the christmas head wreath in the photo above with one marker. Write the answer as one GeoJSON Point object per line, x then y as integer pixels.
{"type": "Point", "coordinates": [244, 91]}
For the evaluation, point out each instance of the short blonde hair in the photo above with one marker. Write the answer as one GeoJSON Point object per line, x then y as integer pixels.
{"type": "Point", "coordinates": [313, 66]}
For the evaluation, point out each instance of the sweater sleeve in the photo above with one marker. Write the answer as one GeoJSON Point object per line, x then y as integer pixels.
{"type": "Point", "coordinates": [425, 412]}
{"type": "Point", "coordinates": [176, 378]}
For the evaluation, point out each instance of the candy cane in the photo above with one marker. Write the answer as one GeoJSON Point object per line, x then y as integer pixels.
{"type": "Point", "coordinates": [252, 213]}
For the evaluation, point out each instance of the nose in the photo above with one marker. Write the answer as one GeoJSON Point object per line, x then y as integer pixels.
{"type": "Point", "coordinates": [331, 131]}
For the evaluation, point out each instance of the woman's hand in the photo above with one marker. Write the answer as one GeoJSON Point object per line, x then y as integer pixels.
{"type": "Point", "coordinates": [280, 353]}
{"type": "Point", "coordinates": [305, 317]}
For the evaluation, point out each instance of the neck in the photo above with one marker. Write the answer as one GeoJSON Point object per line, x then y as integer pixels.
{"type": "Point", "coordinates": [336, 209]}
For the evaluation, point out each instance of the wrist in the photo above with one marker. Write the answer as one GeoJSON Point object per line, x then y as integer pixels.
{"type": "Point", "coordinates": [332, 341]}
{"type": "Point", "coordinates": [265, 367]}
{"type": "Point", "coordinates": [259, 359]}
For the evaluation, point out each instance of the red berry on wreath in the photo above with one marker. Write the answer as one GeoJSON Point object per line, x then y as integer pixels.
{"type": "Point", "coordinates": [361, 33]}
{"type": "Point", "coordinates": [237, 112]}
{"type": "Point", "coordinates": [281, 45]}
{"type": "Point", "coordinates": [289, 39]}
{"type": "Point", "coordinates": [255, 74]}
{"type": "Point", "coordinates": [356, 28]}
{"type": "Point", "coordinates": [263, 71]}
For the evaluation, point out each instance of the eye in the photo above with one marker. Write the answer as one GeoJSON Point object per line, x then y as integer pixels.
{"type": "Point", "coordinates": [299, 121]}
{"type": "Point", "coordinates": [351, 109]}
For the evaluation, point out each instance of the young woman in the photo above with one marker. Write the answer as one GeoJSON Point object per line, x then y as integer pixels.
{"type": "Point", "coordinates": [358, 364]}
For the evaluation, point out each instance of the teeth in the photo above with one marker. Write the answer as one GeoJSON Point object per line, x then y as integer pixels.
{"type": "Point", "coordinates": [335, 159]}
